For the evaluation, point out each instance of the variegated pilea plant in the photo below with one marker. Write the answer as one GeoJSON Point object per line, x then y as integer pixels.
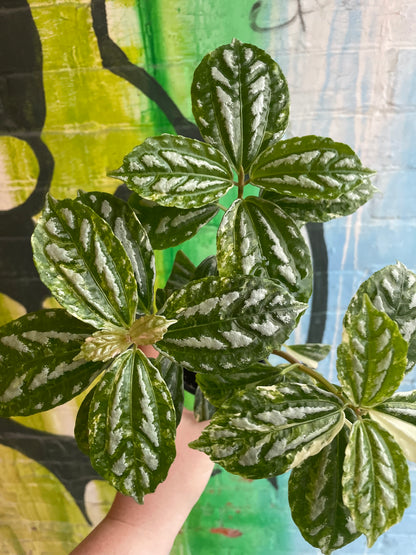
{"type": "Point", "coordinates": [347, 444]}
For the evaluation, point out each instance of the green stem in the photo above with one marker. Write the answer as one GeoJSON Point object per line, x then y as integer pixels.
{"type": "Point", "coordinates": [221, 207]}
{"type": "Point", "coordinates": [315, 375]}
{"type": "Point", "coordinates": [241, 182]}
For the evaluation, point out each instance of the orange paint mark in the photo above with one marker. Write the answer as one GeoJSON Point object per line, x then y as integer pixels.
{"type": "Point", "coordinates": [228, 532]}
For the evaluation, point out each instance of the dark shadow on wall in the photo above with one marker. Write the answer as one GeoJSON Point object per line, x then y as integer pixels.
{"type": "Point", "coordinates": [22, 115]}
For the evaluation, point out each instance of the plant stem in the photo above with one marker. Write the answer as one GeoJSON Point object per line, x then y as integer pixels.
{"type": "Point", "coordinates": [241, 182]}
{"type": "Point", "coordinates": [315, 375]}
{"type": "Point", "coordinates": [221, 207]}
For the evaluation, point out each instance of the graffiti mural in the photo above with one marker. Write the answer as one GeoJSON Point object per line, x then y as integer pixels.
{"type": "Point", "coordinates": [81, 83]}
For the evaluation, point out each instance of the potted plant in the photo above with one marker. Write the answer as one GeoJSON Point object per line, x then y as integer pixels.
{"type": "Point", "coordinates": [347, 444]}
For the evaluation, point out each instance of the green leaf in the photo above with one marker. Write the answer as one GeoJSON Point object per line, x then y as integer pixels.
{"type": "Point", "coordinates": [315, 498]}
{"type": "Point", "coordinates": [172, 373]}
{"type": "Point", "coordinates": [38, 370]}
{"type": "Point", "coordinates": [376, 479]}
{"type": "Point", "coordinates": [81, 423]}
{"type": "Point", "coordinates": [392, 290]}
{"type": "Point", "coordinates": [256, 237]}
{"type": "Point", "coordinates": [309, 167]}
{"type": "Point", "coordinates": [218, 388]}
{"type": "Point", "coordinates": [224, 323]}
{"type": "Point", "coordinates": [182, 273]}
{"type": "Point", "coordinates": [372, 357]}
{"type": "Point", "coordinates": [240, 101]}
{"type": "Point", "coordinates": [208, 267]}
{"type": "Point", "coordinates": [132, 426]}
{"type": "Point", "coordinates": [203, 410]}
{"type": "Point", "coordinates": [398, 416]}
{"type": "Point", "coordinates": [310, 353]}
{"type": "Point", "coordinates": [169, 226]}
{"type": "Point", "coordinates": [305, 210]}
{"type": "Point", "coordinates": [176, 171]}
{"type": "Point", "coordinates": [266, 430]}
{"type": "Point", "coordinates": [132, 235]}
{"type": "Point", "coordinates": [84, 265]}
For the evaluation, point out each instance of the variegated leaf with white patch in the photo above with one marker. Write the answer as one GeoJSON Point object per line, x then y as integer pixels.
{"type": "Point", "coordinates": [240, 101]}
{"type": "Point", "coordinates": [84, 264]}
{"type": "Point", "coordinates": [217, 388]}
{"type": "Point", "coordinates": [225, 323]}
{"type": "Point", "coordinates": [176, 171]}
{"type": "Point", "coordinates": [398, 416]}
{"type": "Point", "coordinates": [132, 426]}
{"type": "Point", "coordinates": [266, 430]}
{"type": "Point", "coordinates": [169, 226]}
{"type": "Point", "coordinates": [392, 290]}
{"type": "Point", "coordinates": [372, 356]}
{"type": "Point", "coordinates": [315, 498]}
{"type": "Point", "coordinates": [305, 210]}
{"type": "Point", "coordinates": [132, 235]}
{"type": "Point", "coordinates": [309, 167]}
{"type": "Point", "coordinates": [257, 237]}
{"type": "Point", "coordinates": [36, 356]}
{"type": "Point", "coordinates": [375, 482]}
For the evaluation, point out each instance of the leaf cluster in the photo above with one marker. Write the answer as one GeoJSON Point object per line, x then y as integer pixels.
{"type": "Point", "coordinates": [347, 444]}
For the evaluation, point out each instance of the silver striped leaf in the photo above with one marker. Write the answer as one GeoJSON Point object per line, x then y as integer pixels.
{"type": "Point", "coordinates": [36, 357]}
{"type": "Point", "coordinates": [169, 226]}
{"type": "Point", "coordinates": [132, 426]}
{"type": "Point", "coordinates": [224, 323]}
{"type": "Point", "coordinates": [264, 431]}
{"type": "Point", "coordinates": [81, 423]}
{"type": "Point", "coordinates": [240, 101]}
{"type": "Point", "coordinates": [392, 290]}
{"type": "Point", "coordinates": [176, 171]}
{"type": "Point", "coordinates": [315, 498]}
{"type": "Point", "coordinates": [218, 388]}
{"type": "Point", "coordinates": [397, 415]}
{"type": "Point", "coordinates": [309, 167]}
{"type": "Point", "coordinates": [172, 373]}
{"type": "Point", "coordinates": [376, 486]}
{"type": "Point", "coordinates": [371, 359]}
{"type": "Point", "coordinates": [257, 237]}
{"type": "Point", "coordinates": [132, 235]}
{"type": "Point", "coordinates": [84, 265]}
{"type": "Point", "coordinates": [305, 210]}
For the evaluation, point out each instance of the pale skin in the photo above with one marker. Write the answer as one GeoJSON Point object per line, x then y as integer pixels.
{"type": "Point", "coordinates": [151, 528]}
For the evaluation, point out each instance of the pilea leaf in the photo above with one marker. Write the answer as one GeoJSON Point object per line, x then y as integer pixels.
{"type": "Point", "coordinates": [81, 423]}
{"type": "Point", "coordinates": [183, 271]}
{"type": "Point", "coordinates": [224, 323]}
{"type": "Point", "coordinates": [84, 265]}
{"type": "Point", "coordinates": [132, 426]}
{"type": "Point", "coordinates": [218, 388]}
{"type": "Point", "coordinates": [372, 357]}
{"type": "Point", "coordinates": [266, 430]}
{"type": "Point", "coordinates": [305, 210]}
{"type": "Point", "coordinates": [169, 226]}
{"type": "Point", "coordinates": [132, 235]}
{"type": "Point", "coordinates": [376, 479]}
{"type": "Point", "coordinates": [38, 370]}
{"type": "Point", "coordinates": [172, 373]}
{"type": "Point", "coordinates": [310, 353]}
{"type": "Point", "coordinates": [398, 416]}
{"type": "Point", "coordinates": [207, 267]}
{"type": "Point", "coordinates": [203, 410]}
{"type": "Point", "coordinates": [392, 290]}
{"type": "Point", "coordinates": [309, 167]}
{"type": "Point", "coordinates": [315, 498]}
{"type": "Point", "coordinates": [256, 237]}
{"type": "Point", "coordinates": [240, 101]}
{"type": "Point", "coordinates": [176, 171]}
